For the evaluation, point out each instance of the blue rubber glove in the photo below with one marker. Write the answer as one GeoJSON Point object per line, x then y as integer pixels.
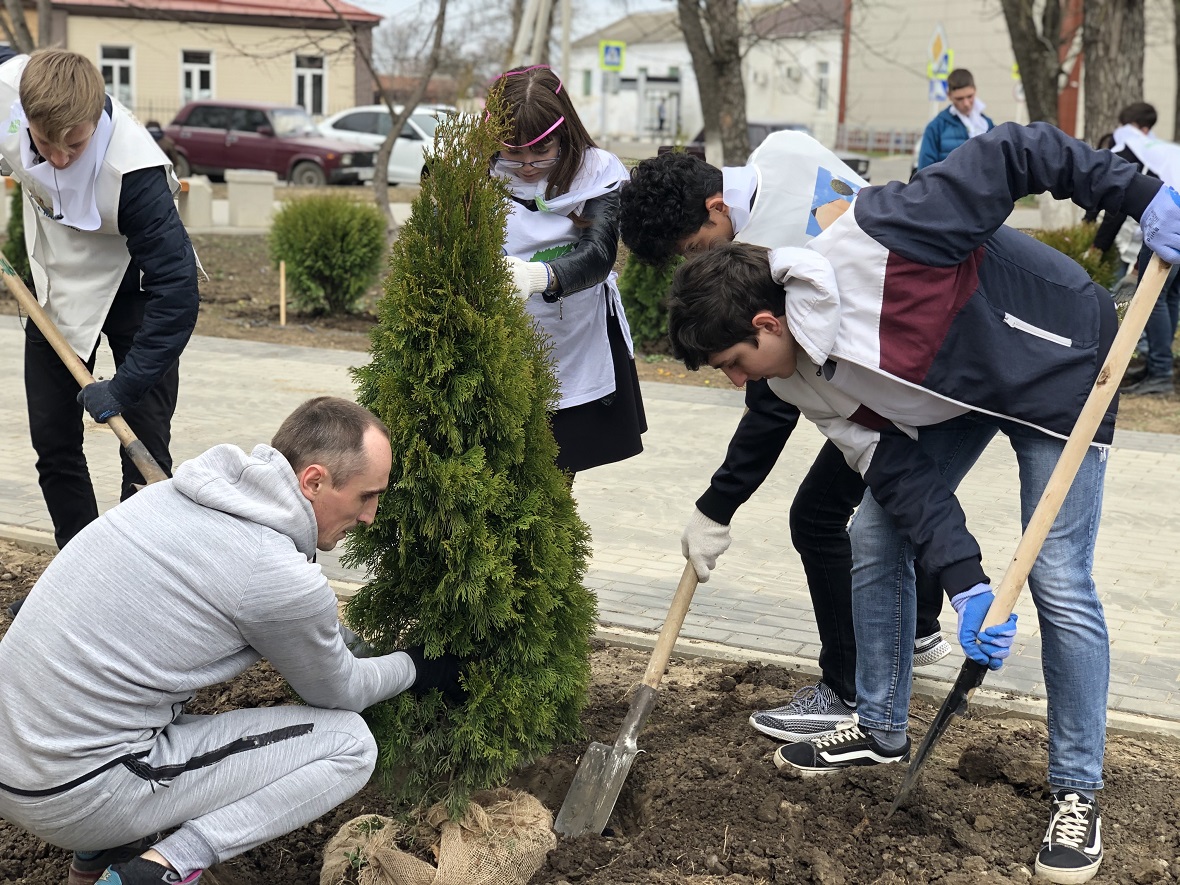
{"type": "Point", "coordinates": [99, 401]}
{"type": "Point", "coordinates": [990, 646]}
{"type": "Point", "coordinates": [1161, 225]}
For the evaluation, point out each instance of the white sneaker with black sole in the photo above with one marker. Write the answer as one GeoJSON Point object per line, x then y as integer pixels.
{"type": "Point", "coordinates": [814, 711]}
{"type": "Point", "coordinates": [1072, 848]}
{"type": "Point", "coordinates": [847, 747]}
{"type": "Point", "coordinates": [930, 650]}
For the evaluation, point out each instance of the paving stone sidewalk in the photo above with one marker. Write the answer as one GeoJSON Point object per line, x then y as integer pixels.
{"type": "Point", "coordinates": [756, 605]}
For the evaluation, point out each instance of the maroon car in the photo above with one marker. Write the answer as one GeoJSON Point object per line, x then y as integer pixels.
{"type": "Point", "coordinates": [212, 136]}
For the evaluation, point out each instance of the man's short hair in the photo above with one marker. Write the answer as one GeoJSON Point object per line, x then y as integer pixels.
{"type": "Point", "coordinates": [1139, 114]}
{"type": "Point", "coordinates": [329, 431]}
{"type": "Point", "coordinates": [714, 298]}
{"type": "Point", "coordinates": [59, 90]}
{"type": "Point", "coordinates": [959, 78]}
{"type": "Point", "coordinates": [665, 202]}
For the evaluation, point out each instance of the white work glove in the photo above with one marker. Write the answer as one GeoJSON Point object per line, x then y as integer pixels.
{"type": "Point", "coordinates": [702, 542]}
{"type": "Point", "coordinates": [527, 276]}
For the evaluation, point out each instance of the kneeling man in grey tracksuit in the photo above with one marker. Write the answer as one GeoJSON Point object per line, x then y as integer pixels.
{"type": "Point", "coordinates": [183, 586]}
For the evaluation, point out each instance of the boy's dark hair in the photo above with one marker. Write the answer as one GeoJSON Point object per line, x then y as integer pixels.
{"type": "Point", "coordinates": [714, 298]}
{"type": "Point", "coordinates": [1139, 114]}
{"type": "Point", "coordinates": [665, 202]}
{"type": "Point", "coordinates": [959, 78]}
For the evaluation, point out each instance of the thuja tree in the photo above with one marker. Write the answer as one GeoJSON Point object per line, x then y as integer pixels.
{"type": "Point", "coordinates": [477, 548]}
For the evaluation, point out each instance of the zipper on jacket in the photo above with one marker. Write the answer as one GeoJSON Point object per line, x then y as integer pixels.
{"type": "Point", "coordinates": [1023, 326]}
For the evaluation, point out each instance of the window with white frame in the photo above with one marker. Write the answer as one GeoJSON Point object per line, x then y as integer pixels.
{"type": "Point", "coordinates": [822, 82]}
{"type": "Point", "coordinates": [115, 62]}
{"type": "Point", "coordinates": [309, 83]}
{"type": "Point", "coordinates": [196, 75]}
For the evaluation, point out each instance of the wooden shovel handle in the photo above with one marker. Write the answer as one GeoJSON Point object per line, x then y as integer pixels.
{"type": "Point", "coordinates": [1146, 295]}
{"type": "Point", "coordinates": [671, 629]}
{"type": "Point", "coordinates": [136, 450]}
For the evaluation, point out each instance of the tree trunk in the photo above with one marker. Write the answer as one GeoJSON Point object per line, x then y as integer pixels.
{"type": "Point", "coordinates": [1037, 54]}
{"type": "Point", "coordinates": [44, 22]}
{"type": "Point", "coordinates": [712, 30]}
{"type": "Point", "coordinates": [19, 26]}
{"type": "Point", "coordinates": [1113, 43]}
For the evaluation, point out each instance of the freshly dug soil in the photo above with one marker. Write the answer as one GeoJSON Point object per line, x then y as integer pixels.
{"type": "Point", "coordinates": [704, 803]}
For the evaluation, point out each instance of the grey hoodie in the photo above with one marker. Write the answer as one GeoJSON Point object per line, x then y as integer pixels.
{"type": "Point", "coordinates": [182, 586]}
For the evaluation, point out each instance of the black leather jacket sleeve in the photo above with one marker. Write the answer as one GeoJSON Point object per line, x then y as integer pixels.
{"type": "Point", "coordinates": [593, 256]}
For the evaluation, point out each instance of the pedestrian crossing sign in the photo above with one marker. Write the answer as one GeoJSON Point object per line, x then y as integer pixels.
{"type": "Point", "coordinates": [610, 54]}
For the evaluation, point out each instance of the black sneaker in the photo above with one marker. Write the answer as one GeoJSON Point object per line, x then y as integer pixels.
{"type": "Point", "coordinates": [846, 748]}
{"type": "Point", "coordinates": [1152, 385]}
{"type": "Point", "coordinates": [139, 871]}
{"type": "Point", "coordinates": [813, 712]}
{"type": "Point", "coordinates": [1072, 848]}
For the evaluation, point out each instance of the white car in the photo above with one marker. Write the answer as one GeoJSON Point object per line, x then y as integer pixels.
{"type": "Point", "coordinates": [369, 125]}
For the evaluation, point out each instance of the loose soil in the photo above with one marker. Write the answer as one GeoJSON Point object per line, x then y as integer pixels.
{"type": "Point", "coordinates": [704, 803]}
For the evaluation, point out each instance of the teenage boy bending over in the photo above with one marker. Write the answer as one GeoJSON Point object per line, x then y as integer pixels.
{"type": "Point", "coordinates": [677, 204]}
{"type": "Point", "coordinates": [914, 317]}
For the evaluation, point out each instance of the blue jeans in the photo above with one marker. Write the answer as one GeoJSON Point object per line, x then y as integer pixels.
{"type": "Point", "coordinates": [1075, 650]}
{"type": "Point", "coordinates": [1161, 324]}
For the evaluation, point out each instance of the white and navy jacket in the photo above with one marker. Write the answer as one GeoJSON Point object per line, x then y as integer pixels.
{"type": "Point", "coordinates": [918, 305]}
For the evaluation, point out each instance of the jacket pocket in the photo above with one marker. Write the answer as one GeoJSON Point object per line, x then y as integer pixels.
{"type": "Point", "coordinates": [1024, 326]}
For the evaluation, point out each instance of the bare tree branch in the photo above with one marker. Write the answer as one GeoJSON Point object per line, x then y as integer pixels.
{"type": "Point", "coordinates": [22, 37]}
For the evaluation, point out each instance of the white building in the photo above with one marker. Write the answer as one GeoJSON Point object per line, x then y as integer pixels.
{"type": "Point", "coordinates": [791, 71]}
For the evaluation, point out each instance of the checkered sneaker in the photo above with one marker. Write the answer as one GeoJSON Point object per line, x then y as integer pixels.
{"type": "Point", "coordinates": [847, 747]}
{"type": "Point", "coordinates": [930, 649]}
{"type": "Point", "coordinates": [1072, 848]}
{"type": "Point", "coordinates": [814, 711]}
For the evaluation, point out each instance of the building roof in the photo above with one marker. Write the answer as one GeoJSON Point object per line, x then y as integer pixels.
{"type": "Point", "coordinates": [287, 9]}
{"type": "Point", "coordinates": [771, 21]}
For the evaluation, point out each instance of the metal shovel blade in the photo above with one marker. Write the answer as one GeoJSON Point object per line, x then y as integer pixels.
{"type": "Point", "coordinates": [970, 678]}
{"type": "Point", "coordinates": [602, 773]}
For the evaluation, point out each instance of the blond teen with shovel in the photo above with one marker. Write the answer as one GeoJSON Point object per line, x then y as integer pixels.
{"type": "Point", "coordinates": [911, 329]}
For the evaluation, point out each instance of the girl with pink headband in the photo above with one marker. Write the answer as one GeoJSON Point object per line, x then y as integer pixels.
{"type": "Point", "coordinates": [561, 243]}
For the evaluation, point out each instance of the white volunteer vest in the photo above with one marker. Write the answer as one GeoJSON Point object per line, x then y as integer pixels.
{"type": "Point", "coordinates": [77, 273]}
{"type": "Point", "coordinates": [576, 325]}
{"type": "Point", "coordinates": [795, 174]}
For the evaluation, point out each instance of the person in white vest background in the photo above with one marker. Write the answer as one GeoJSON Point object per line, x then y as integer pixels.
{"type": "Point", "coordinates": [108, 255]}
{"type": "Point", "coordinates": [561, 243]}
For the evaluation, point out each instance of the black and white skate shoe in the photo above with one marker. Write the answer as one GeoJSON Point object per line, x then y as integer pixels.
{"type": "Point", "coordinates": [1072, 848]}
{"type": "Point", "coordinates": [847, 747]}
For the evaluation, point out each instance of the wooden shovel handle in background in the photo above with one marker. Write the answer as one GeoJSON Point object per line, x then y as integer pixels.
{"type": "Point", "coordinates": [1089, 419]}
{"type": "Point", "coordinates": [136, 450]}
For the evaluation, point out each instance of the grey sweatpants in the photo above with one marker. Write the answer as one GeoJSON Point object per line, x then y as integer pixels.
{"type": "Point", "coordinates": [252, 775]}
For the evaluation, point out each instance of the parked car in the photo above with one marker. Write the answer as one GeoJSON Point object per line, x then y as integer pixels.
{"type": "Point", "coordinates": [213, 136]}
{"type": "Point", "coordinates": [370, 124]}
{"type": "Point", "coordinates": [859, 163]}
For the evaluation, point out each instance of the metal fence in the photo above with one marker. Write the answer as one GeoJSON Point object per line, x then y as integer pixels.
{"type": "Point", "coordinates": [874, 140]}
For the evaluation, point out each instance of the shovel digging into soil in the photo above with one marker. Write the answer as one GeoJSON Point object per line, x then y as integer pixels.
{"type": "Point", "coordinates": [603, 769]}
{"type": "Point", "coordinates": [1008, 590]}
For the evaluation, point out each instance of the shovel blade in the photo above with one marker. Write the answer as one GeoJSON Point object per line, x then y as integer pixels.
{"type": "Point", "coordinates": [595, 789]}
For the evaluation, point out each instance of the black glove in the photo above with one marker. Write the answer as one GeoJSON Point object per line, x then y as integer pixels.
{"type": "Point", "coordinates": [441, 673]}
{"type": "Point", "coordinates": [99, 401]}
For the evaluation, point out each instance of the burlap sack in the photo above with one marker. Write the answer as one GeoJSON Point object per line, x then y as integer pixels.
{"type": "Point", "coordinates": [503, 839]}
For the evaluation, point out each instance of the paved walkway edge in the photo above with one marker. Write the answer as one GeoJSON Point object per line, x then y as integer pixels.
{"type": "Point", "coordinates": [991, 703]}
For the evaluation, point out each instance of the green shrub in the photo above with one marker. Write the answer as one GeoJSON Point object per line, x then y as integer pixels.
{"type": "Point", "coordinates": [14, 246]}
{"type": "Point", "coordinates": [1076, 242]}
{"type": "Point", "coordinates": [644, 289]}
{"type": "Point", "coordinates": [332, 247]}
{"type": "Point", "coordinates": [477, 548]}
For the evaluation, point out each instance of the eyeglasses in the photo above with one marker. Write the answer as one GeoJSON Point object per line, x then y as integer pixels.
{"type": "Point", "coordinates": [548, 163]}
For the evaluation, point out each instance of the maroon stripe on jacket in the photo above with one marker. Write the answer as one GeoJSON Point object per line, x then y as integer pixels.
{"type": "Point", "coordinates": [918, 305]}
{"type": "Point", "coordinates": [866, 417]}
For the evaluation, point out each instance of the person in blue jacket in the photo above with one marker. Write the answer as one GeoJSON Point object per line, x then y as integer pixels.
{"type": "Point", "coordinates": [108, 256]}
{"type": "Point", "coordinates": [962, 119]}
{"type": "Point", "coordinates": [912, 328]}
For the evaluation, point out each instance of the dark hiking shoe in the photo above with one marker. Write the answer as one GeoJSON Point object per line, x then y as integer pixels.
{"type": "Point", "coordinates": [1152, 385]}
{"type": "Point", "coordinates": [1133, 376]}
{"type": "Point", "coordinates": [87, 866]}
{"type": "Point", "coordinates": [848, 747]}
{"type": "Point", "coordinates": [930, 650]}
{"type": "Point", "coordinates": [14, 607]}
{"type": "Point", "coordinates": [139, 871]}
{"type": "Point", "coordinates": [813, 712]}
{"type": "Point", "coordinates": [1072, 848]}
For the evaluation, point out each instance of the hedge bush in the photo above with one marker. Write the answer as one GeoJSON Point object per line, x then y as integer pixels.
{"type": "Point", "coordinates": [332, 246]}
{"type": "Point", "coordinates": [644, 289]}
{"type": "Point", "coordinates": [1076, 242]}
{"type": "Point", "coordinates": [14, 246]}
